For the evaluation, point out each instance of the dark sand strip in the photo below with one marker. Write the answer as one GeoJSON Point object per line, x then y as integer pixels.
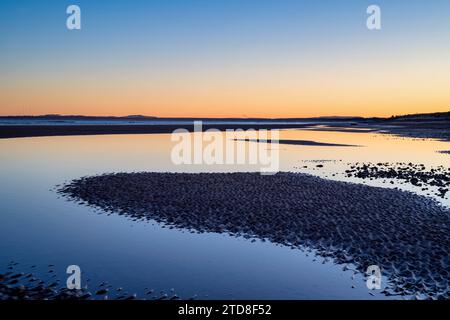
{"type": "Point", "coordinates": [407, 235]}
{"type": "Point", "coordinates": [415, 129]}
{"type": "Point", "coordinates": [22, 131]}
{"type": "Point", "coordinates": [299, 142]}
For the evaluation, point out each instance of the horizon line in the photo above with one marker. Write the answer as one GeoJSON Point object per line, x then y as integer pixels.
{"type": "Point", "coordinates": [136, 116]}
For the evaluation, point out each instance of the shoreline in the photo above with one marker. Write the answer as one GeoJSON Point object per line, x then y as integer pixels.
{"type": "Point", "coordinates": [407, 129]}
{"type": "Point", "coordinates": [27, 131]}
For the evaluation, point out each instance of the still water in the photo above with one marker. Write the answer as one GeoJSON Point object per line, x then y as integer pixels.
{"type": "Point", "coordinates": [39, 228]}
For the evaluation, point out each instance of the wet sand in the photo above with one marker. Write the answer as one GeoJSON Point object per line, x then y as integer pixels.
{"type": "Point", "coordinates": [437, 129]}
{"type": "Point", "coordinates": [22, 283]}
{"type": "Point", "coordinates": [22, 131]}
{"type": "Point", "coordinates": [414, 174]}
{"type": "Point", "coordinates": [407, 235]}
{"type": "Point", "coordinates": [299, 142]}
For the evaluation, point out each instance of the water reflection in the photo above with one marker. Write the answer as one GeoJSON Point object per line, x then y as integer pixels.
{"type": "Point", "coordinates": [36, 227]}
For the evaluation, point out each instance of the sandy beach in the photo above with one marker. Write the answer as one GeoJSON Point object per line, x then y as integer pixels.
{"type": "Point", "coordinates": [405, 234]}
{"type": "Point", "coordinates": [238, 153]}
{"type": "Point", "coordinates": [432, 127]}
{"type": "Point", "coordinates": [22, 131]}
{"type": "Point", "coordinates": [347, 225]}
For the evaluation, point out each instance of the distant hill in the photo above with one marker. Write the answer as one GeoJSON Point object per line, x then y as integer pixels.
{"type": "Point", "coordinates": [57, 117]}
{"type": "Point", "coordinates": [423, 116]}
{"type": "Point", "coordinates": [438, 116]}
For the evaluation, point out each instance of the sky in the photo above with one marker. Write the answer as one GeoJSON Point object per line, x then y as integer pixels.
{"type": "Point", "coordinates": [224, 58]}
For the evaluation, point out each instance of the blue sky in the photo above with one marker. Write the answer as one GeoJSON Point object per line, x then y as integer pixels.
{"type": "Point", "coordinates": [168, 40]}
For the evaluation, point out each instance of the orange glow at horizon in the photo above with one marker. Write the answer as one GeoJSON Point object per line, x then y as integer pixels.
{"type": "Point", "coordinates": [355, 90]}
{"type": "Point", "coordinates": [225, 59]}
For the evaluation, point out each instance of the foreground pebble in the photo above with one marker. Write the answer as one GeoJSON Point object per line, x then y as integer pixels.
{"type": "Point", "coordinates": [411, 173]}
{"type": "Point", "coordinates": [16, 285]}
